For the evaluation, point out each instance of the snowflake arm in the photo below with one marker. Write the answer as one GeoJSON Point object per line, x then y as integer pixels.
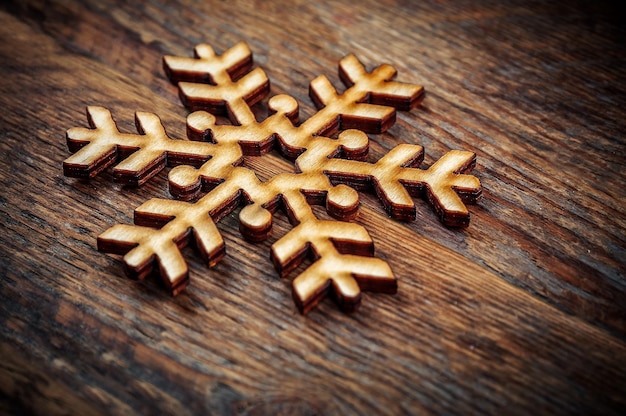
{"type": "Point", "coordinates": [222, 94]}
{"type": "Point", "coordinates": [396, 177]}
{"type": "Point", "coordinates": [342, 263]}
{"type": "Point", "coordinates": [146, 153]}
{"type": "Point", "coordinates": [146, 247]}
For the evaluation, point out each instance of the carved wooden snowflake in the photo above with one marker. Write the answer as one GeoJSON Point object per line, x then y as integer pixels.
{"type": "Point", "coordinates": [327, 171]}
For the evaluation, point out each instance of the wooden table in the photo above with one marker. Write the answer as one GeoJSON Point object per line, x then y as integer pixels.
{"type": "Point", "coordinates": [522, 312]}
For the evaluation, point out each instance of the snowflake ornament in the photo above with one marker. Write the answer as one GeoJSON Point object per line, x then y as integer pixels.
{"type": "Point", "coordinates": [328, 171]}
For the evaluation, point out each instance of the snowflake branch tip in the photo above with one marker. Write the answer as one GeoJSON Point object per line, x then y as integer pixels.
{"type": "Point", "coordinates": [217, 83]}
{"type": "Point", "coordinates": [399, 95]}
{"type": "Point", "coordinates": [162, 228]}
{"type": "Point", "coordinates": [343, 264]}
{"type": "Point", "coordinates": [369, 103]}
{"type": "Point", "coordinates": [207, 66]}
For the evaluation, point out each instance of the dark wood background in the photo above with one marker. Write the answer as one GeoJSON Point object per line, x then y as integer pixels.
{"type": "Point", "coordinates": [523, 312]}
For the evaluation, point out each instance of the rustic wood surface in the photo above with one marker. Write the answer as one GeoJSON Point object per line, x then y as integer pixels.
{"type": "Point", "coordinates": [524, 311]}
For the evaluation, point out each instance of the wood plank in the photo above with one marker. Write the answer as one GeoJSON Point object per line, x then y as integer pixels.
{"type": "Point", "coordinates": [522, 311]}
{"type": "Point", "coordinates": [513, 120]}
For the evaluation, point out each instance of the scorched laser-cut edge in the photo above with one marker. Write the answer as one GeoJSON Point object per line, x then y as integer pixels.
{"type": "Point", "coordinates": [327, 171]}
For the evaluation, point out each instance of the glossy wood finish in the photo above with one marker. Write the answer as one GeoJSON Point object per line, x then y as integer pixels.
{"type": "Point", "coordinates": [520, 312]}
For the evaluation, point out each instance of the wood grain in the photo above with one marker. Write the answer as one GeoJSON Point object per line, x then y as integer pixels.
{"type": "Point", "coordinates": [524, 311]}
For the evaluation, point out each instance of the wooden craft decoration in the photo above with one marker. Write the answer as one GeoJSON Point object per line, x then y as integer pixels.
{"type": "Point", "coordinates": [328, 171]}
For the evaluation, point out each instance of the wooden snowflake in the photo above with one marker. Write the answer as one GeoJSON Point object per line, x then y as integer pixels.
{"type": "Point", "coordinates": [327, 171]}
